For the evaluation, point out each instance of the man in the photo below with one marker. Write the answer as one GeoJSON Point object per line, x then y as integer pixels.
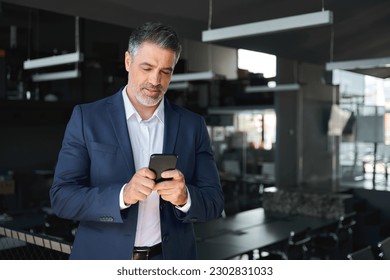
{"type": "Point", "coordinates": [102, 177]}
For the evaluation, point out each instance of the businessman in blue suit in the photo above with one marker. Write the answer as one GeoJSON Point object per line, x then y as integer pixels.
{"type": "Point", "coordinates": [102, 177]}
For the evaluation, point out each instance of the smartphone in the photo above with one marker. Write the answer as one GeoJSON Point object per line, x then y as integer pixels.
{"type": "Point", "coordinates": [159, 163]}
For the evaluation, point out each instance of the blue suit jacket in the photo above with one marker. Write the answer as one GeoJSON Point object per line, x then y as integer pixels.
{"type": "Point", "coordinates": [96, 160]}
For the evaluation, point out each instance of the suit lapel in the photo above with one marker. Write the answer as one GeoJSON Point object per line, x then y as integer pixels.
{"type": "Point", "coordinates": [117, 115]}
{"type": "Point", "coordinates": [172, 122]}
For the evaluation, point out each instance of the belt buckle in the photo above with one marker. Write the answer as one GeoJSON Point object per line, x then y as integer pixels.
{"type": "Point", "coordinates": [142, 251]}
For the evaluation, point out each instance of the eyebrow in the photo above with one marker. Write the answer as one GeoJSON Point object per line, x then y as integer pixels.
{"type": "Point", "coordinates": [150, 65]}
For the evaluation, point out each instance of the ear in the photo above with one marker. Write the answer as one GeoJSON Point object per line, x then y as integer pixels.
{"type": "Point", "coordinates": [127, 61]}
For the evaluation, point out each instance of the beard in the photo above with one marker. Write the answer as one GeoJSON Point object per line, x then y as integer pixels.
{"type": "Point", "coordinates": [143, 96]}
{"type": "Point", "coordinates": [150, 100]}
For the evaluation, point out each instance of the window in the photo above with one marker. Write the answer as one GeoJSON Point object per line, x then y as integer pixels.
{"type": "Point", "coordinates": [257, 62]}
{"type": "Point", "coordinates": [367, 97]}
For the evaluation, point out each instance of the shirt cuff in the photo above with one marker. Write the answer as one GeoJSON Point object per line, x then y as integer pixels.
{"type": "Point", "coordinates": [186, 206]}
{"type": "Point", "coordinates": [122, 204]}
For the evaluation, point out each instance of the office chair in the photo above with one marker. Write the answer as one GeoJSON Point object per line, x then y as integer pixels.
{"type": "Point", "coordinates": [384, 249]}
{"type": "Point", "coordinates": [338, 243]}
{"type": "Point", "coordinates": [273, 255]}
{"type": "Point", "coordinates": [60, 228]}
{"type": "Point", "coordinates": [297, 247]}
{"type": "Point", "coordinates": [298, 244]}
{"type": "Point", "coordinates": [365, 253]}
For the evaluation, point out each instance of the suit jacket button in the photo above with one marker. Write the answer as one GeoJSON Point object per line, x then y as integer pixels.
{"type": "Point", "coordinates": [106, 219]}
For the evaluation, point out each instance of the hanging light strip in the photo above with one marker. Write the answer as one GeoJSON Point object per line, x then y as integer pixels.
{"type": "Point", "coordinates": [56, 76]}
{"type": "Point", "coordinates": [196, 76]}
{"type": "Point", "coordinates": [269, 26]}
{"type": "Point", "coordinates": [53, 60]}
{"type": "Point", "coordinates": [285, 87]}
{"type": "Point", "coordinates": [359, 64]}
{"type": "Point", "coordinates": [179, 85]}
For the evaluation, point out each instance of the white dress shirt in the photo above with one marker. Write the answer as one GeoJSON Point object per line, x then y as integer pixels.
{"type": "Point", "coordinates": [146, 138]}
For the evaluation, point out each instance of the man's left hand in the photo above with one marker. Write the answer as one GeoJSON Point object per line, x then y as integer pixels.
{"type": "Point", "coordinates": [174, 190]}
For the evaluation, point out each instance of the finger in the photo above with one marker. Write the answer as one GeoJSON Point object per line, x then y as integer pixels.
{"type": "Point", "coordinates": [147, 183]}
{"type": "Point", "coordinates": [168, 197]}
{"type": "Point", "coordinates": [139, 184]}
{"type": "Point", "coordinates": [139, 196]}
{"type": "Point", "coordinates": [174, 174]}
{"type": "Point", "coordinates": [147, 173]}
{"type": "Point", "coordinates": [145, 190]}
{"type": "Point", "coordinates": [166, 191]}
{"type": "Point", "coordinates": [166, 185]}
{"type": "Point", "coordinates": [134, 193]}
{"type": "Point", "coordinates": [169, 190]}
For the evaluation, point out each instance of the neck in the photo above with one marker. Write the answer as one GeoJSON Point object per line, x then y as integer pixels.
{"type": "Point", "coordinates": [145, 112]}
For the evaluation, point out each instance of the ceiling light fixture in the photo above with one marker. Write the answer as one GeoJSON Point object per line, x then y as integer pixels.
{"type": "Point", "coordinates": [53, 60]}
{"type": "Point", "coordinates": [269, 26]}
{"type": "Point", "coordinates": [196, 76]}
{"type": "Point", "coordinates": [63, 59]}
{"type": "Point", "coordinates": [56, 76]}
{"type": "Point", "coordinates": [179, 85]}
{"type": "Point", "coordinates": [285, 87]}
{"type": "Point", "coordinates": [359, 64]}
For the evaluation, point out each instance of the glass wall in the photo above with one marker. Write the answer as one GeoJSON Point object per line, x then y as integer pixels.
{"type": "Point", "coordinates": [243, 142]}
{"type": "Point", "coordinates": [247, 137]}
{"type": "Point", "coordinates": [365, 144]}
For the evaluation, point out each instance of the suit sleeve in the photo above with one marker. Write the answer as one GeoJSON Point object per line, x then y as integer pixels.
{"type": "Point", "coordinates": [207, 200]}
{"type": "Point", "coordinates": [72, 195]}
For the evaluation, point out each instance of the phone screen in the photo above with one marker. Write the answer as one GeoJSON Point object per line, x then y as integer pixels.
{"type": "Point", "coordinates": [162, 162]}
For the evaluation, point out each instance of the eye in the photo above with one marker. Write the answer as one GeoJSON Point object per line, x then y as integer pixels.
{"type": "Point", "coordinates": [167, 72]}
{"type": "Point", "coordinates": [146, 67]}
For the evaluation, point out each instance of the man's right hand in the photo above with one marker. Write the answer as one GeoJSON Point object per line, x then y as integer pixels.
{"type": "Point", "coordinates": [139, 187]}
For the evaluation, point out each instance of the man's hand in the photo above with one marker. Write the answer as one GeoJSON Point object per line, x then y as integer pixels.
{"type": "Point", "coordinates": [139, 187]}
{"type": "Point", "coordinates": [174, 190]}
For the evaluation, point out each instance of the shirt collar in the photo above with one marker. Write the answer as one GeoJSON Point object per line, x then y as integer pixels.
{"type": "Point", "coordinates": [130, 110]}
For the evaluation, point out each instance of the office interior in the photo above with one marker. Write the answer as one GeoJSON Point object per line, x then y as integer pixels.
{"type": "Point", "coordinates": [303, 155]}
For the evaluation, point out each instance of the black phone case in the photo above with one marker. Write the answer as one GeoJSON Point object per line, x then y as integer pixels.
{"type": "Point", "coordinates": [161, 162]}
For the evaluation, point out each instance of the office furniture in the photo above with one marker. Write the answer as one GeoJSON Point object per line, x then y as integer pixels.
{"type": "Point", "coordinates": [384, 249]}
{"type": "Point", "coordinates": [273, 255]}
{"type": "Point", "coordinates": [365, 253]}
{"type": "Point", "coordinates": [298, 244]}
{"type": "Point", "coordinates": [296, 247]}
{"type": "Point", "coordinates": [18, 244]}
{"type": "Point", "coordinates": [234, 223]}
{"type": "Point", "coordinates": [242, 233]}
{"type": "Point", "coordinates": [337, 243]}
{"type": "Point", "coordinates": [30, 236]}
{"type": "Point", "coordinates": [223, 238]}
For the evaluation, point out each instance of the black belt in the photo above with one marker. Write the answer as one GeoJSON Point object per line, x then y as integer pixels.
{"type": "Point", "coordinates": [146, 253]}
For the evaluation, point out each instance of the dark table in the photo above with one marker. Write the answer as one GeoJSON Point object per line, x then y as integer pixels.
{"type": "Point", "coordinates": [233, 223]}
{"type": "Point", "coordinates": [228, 237]}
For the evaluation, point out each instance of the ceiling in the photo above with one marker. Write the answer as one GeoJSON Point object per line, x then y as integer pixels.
{"type": "Point", "coordinates": [361, 28]}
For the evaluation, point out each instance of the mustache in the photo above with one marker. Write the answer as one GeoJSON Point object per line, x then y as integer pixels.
{"type": "Point", "coordinates": [151, 87]}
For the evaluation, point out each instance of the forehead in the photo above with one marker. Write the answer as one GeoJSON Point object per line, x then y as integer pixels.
{"type": "Point", "coordinates": [150, 52]}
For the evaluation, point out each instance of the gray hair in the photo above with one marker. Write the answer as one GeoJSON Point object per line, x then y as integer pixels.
{"type": "Point", "coordinates": [162, 35]}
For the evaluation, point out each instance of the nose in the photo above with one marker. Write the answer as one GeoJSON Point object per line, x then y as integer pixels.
{"type": "Point", "coordinates": [155, 78]}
